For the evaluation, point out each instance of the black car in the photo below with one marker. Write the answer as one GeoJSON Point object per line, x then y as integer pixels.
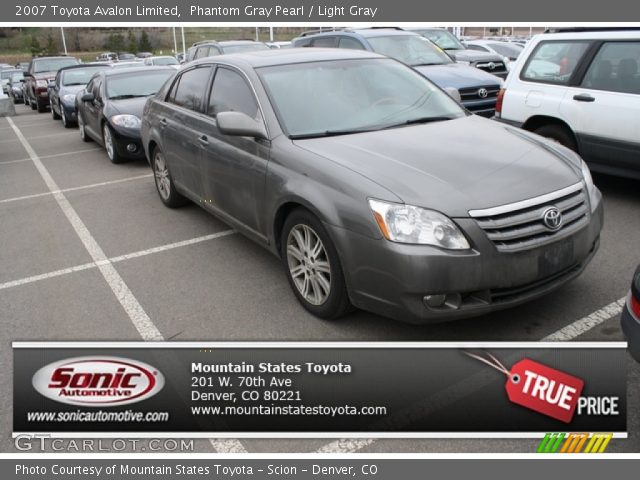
{"type": "Point", "coordinates": [62, 94]}
{"type": "Point", "coordinates": [631, 317]}
{"type": "Point", "coordinates": [110, 108]}
{"type": "Point", "coordinates": [15, 88]}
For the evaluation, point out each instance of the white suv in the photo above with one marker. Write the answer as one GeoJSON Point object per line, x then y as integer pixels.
{"type": "Point", "coordinates": [582, 89]}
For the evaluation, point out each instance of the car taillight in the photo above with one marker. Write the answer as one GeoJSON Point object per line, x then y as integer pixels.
{"type": "Point", "coordinates": [499, 101]}
{"type": "Point", "coordinates": [635, 306]}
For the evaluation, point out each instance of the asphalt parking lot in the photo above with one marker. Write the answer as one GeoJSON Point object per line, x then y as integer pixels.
{"type": "Point", "coordinates": [88, 252]}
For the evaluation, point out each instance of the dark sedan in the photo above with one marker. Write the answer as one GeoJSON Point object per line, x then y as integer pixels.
{"type": "Point", "coordinates": [62, 94]}
{"type": "Point", "coordinates": [15, 88]}
{"type": "Point", "coordinates": [373, 186]}
{"type": "Point", "coordinates": [110, 108]}
{"type": "Point", "coordinates": [631, 317]}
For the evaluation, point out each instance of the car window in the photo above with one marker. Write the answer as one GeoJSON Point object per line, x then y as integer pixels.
{"type": "Point", "coordinates": [190, 87]}
{"type": "Point", "coordinates": [77, 76]}
{"type": "Point", "coordinates": [413, 50]}
{"type": "Point", "coordinates": [245, 47]}
{"type": "Point", "coordinates": [506, 49]}
{"type": "Point", "coordinates": [202, 52]}
{"type": "Point", "coordinates": [554, 61]}
{"type": "Point", "coordinates": [350, 43]}
{"type": "Point", "coordinates": [327, 42]}
{"type": "Point", "coordinates": [53, 64]}
{"type": "Point", "coordinates": [230, 93]}
{"type": "Point", "coordinates": [615, 68]}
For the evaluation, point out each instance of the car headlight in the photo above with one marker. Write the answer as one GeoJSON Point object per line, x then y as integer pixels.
{"type": "Point", "coordinates": [69, 98]}
{"type": "Point", "coordinates": [126, 121]}
{"type": "Point", "coordinates": [594, 193]}
{"type": "Point", "coordinates": [408, 224]}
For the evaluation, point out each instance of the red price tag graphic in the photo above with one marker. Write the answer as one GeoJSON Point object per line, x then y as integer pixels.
{"type": "Point", "coordinates": [538, 387]}
{"type": "Point", "coordinates": [544, 389]}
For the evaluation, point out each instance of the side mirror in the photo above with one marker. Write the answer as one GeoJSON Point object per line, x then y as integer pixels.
{"type": "Point", "coordinates": [454, 93]}
{"type": "Point", "coordinates": [240, 124]}
{"type": "Point", "coordinates": [52, 83]}
{"type": "Point", "coordinates": [88, 97]}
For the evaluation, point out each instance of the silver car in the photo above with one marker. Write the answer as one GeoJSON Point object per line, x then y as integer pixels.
{"type": "Point", "coordinates": [374, 187]}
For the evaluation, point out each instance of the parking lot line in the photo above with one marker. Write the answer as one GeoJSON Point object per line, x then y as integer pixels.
{"type": "Point", "coordinates": [141, 321]}
{"type": "Point", "coordinates": [97, 149]}
{"type": "Point", "coordinates": [587, 323]}
{"type": "Point", "coordinates": [73, 189]}
{"type": "Point", "coordinates": [119, 258]}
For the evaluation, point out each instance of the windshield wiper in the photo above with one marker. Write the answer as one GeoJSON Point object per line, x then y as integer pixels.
{"type": "Point", "coordinates": [124, 97]}
{"type": "Point", "coordinates": [74, 84]}
{"type": "Point", "coordinates": [416, 121]}
{"type": "Point", "coordinates": [331, 133]}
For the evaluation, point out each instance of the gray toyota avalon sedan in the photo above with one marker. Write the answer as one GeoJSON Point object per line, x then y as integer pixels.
{"type": "Point", "coordinates": [374, 187]}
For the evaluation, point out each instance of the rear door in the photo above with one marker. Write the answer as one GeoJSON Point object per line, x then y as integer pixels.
{"type": "Point", "coordinates": [605, 106]}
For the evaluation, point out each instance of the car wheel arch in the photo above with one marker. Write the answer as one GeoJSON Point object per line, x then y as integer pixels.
{"type": "Point", "coordinates": [284, 210]}
{"type": "Point", "coordinates": [537, 121]}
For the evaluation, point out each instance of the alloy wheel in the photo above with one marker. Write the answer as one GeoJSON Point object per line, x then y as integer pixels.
{"type": "Point", "coordinates": [309, 264]}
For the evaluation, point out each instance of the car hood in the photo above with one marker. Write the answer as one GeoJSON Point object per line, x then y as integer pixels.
{"type": "Point", "coordinates": [458, 76]}
{"type": "Point", "coordinates": [474, 56]}
{"type": "Point", "coordinates": [130, 106]}
{"type": "Point", "coordinates": [452, 166]}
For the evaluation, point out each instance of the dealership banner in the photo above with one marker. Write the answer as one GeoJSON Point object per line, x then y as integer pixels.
{"type": "Point", "coordinates": [303, 389]}
{"type": "Point", "coordinates": [297, 11]}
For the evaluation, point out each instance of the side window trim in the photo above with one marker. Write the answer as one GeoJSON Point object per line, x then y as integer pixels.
{"type": "Point", "coordinates": [218, 66]}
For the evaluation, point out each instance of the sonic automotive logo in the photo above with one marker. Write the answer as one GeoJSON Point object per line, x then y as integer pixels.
{"type": "Point", "coordinates": [98, 381]}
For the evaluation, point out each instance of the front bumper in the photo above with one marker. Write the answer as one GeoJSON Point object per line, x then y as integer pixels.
{"type": "Point", "coordinates": [123, 139]}
{"type": "Point", "coordinates": [70, 112]}
{"type": "Point", "coordinates": [393, 279]}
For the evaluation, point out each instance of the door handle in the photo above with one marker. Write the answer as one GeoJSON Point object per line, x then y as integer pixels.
{"type": "Point", "coordinates": [584, 98]}
{"type": "Point", "coordinates": [163, 122]}
{"type": "Point", "coordinates": [203, 140]}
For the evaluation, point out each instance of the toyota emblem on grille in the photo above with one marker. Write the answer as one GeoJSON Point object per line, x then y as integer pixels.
{"type": "Point", "coordinates": [492, 66]}
{"type": "Point", "coordinates": [482, 92]}
{"type": "Point", "coordinates": [552, 218]}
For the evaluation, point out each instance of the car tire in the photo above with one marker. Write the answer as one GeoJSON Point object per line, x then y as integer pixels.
{"type": "Point", "coordinates": [32, 105]}
{"type": "Point", "coordinates": [109, 144]}
{"type": "Point", "coordinates": [26, 100]}
{"type": "Point", "coordinates": [560, 134]}
{"type": "Point", "coordinates": [54, 115]}
{"type": "Point", "coordinates": [313, 267]}
{"type": "Point", "coordinates": [83, 130]}
{"type": "Point", "coordinates": [164, 182]}
{"type": "Point", "coordinates": [41, 107]}
{"type": "Point", "coordinates": [66, 123]}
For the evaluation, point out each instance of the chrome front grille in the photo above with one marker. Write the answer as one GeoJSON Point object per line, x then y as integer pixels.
{"type": "Point", "coordinates": [477, 93]}
{"type": "Point", "coordinates": [521, 226]}
{"type": "Point", "coordinates": [492, 67]}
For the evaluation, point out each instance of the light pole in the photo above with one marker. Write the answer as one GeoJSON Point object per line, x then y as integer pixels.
{"type": "Point", "coordinates": [64, 41]}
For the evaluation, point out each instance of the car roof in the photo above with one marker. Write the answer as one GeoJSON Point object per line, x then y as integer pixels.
{"type": "Point", "coordinates": [591, 35]}
{"type": "Point", "coordinates": [142, 69]}
{"type": "Point", "coordinates": [83, 65]}
{"type": "Point", "coordinates": [272, 57]}
{"type": "Point", "coordinates": [364, 32]}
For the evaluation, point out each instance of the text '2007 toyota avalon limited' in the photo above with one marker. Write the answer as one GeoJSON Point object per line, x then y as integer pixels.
{"type": "Point", "coordinates": [375, 187]}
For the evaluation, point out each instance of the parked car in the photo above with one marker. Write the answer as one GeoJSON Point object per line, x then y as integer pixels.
{"type": "Point", "coordinates": [16, 84]}
{"type": "Point", "coordinates": [62, 94]}
{"type": "Point", "coordinates": [162, 60]}
{"type": "Point", "coordinates": [125, 65]}
{"type": "Point", "coordinates": [37, 77]}
{"type": "Point", "coordinates": [389, 197]}
{"type": "Point", "coordinates": [509, 51]}
{"type": "Point", "coordinates": [209, 48]}
{"type": "Point", "coordinates": [107, 57]}
{"type": "Point", "coordinates": [478, 90]}
{"type": "Point", "coordinates": [489, 62]}
{"type": "Point", "coordinates": [5, 76]}
{"type": "Point", "coordinates": [22, 66]}
{"type": "Point", "coordinates": [630, 319]}
{"type": "Point", "coordinates": [582, 89]}
{"type": "Point", "coordinates": [126, 57]}
{"type": "Point", "coordinates": [110, 107]}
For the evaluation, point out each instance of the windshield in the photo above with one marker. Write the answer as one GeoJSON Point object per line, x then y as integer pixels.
{"type": "Point", "coordinates": [443, 38]}
{"type": "Point", "coordinates": [52, 65]}
{"type": "Point", "coordinates": [246, 47]}
{"type": "Point", "coordinates": [413, 50]}
{"type": "Point", "coordinates": [79, 76]}
{"type": "Point", "coordinates": [506, 50]}
{"type": "Point", "coordinates": [16, 77]}
{"type": "Point", "coordinates": [6, 74]}
{"type": "Point", "coordinates": [165, 61]}
{"type": "Point", "coordinates": [138, 84]}
{"type": "Point", "coordinates": [349, 96]}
